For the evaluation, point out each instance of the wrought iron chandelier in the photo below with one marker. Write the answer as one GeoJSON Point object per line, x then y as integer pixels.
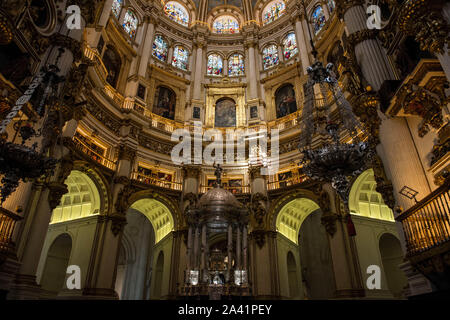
{"type": "Point", "coordinates": [330, 142]}
{"type": "Point", "coordinates": [20, 162]}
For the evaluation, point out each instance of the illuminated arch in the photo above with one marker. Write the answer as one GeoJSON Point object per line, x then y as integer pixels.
{"type": "Point", "coordinates": [273, 11]}
{"type": "Point", "coordinates": [177, 12]}
{"type": "Point", "coordinates": [159, 215]}
{"type": "Point", "coordinates": [225, 24]}
{"type": "Point", "coordinates": [365, 201]}
{"type": "Point", "coordinates": [292, 215]}
{"type": "Point", "coordinates": [82, 200]}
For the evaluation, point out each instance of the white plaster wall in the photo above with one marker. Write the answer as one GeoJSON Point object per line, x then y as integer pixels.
{"type": "Point", "coordinates": [368, 233]}
{"type": "Point", "coordinates": [283, 247]}
{"type": "Point", "coordinates": [82, 232]}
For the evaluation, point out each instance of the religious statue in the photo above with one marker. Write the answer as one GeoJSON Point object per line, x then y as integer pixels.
{"type": "Point", "coordinates": [218, 174]}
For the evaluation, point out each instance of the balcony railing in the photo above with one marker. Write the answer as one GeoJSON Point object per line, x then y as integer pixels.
{"type": "Point", "coordinates": [156, 182]}
{"type": "Point", "coordinates": [427, 223]}
{"type": "Point", "coordinates": [287, 183]}
{"type": "Point", "coordinates": [8, 221]}
{"type": "Point", "coordinates": [86, 149]}
{"type": "Point", "coordinates": [233, 190]}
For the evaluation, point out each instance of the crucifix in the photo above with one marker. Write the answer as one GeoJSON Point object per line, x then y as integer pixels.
{"type": "Point", "coordinates": [218, 174]}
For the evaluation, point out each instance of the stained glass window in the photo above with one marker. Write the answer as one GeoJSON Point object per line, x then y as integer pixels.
{"type": "Point", "coordinates": [180, 58]}
{"type": "Point", "coordinates": [236, 65]}
{"type": "Point", "coordinates": [160, 48]}
{"type": "Point", "coordinates": [130, 23]}
{"type": "Point", "coordinates": [225, 24]}
{"type": "Point", "coordinates": [270, 56]}
{"type": "Point", "coordinates": [318, 19]}
{"type": "Point", "coordinates": [331, 5]}
{"type": "Point", "coordinates": [290, 46]}
{"type": "Point", "coordinates": [273, 11]}
{"type": "Point", "coordinates": [215, 65]}
{"type": "Point", "coordinates": [117, 7]}
{"type": "Point", "coordinates": [177, 13]}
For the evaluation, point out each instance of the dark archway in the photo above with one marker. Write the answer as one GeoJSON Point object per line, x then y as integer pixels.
{"type": "Point", "coordinates": [159, 272]}
{"type": "Point", "coordinates": [55, 270]}
{"type": "Point", "coordinates": [392, 256]}
{"type": "Point", "coordinates": [316, 260]}
{"type": "Point", "coordinates": [292, 276]}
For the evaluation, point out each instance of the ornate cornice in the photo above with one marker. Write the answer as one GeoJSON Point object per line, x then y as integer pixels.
{"type": "Point", "coordinates": [57, 190]}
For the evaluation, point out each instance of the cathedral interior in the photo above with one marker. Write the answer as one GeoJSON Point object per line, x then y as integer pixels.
{"type": "Point", "coordinates": [334, 115]}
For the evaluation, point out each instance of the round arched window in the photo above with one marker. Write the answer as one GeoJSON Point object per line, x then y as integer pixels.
{"type": "Point", "coordinates": [225, 25]}
{"type": "Point", "coordinates": [177, 13]}
{"type": "Point", "coordinates": [273, 11]}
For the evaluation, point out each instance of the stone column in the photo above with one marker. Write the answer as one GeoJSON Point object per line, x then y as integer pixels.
{"type": "Point", "coordinates": [251, 76]}
{"type": "Point", "coordinates": [230, 250]}
{"type": "Point", "coordinates": [189, 249]}
{"type": "Point", "coordinates": [302, 43]}
{"type": "Point", "coordinates": [238, 248]}
{"type": "Point", "coordinates": [147, 46]}
{"type": "Point", "coordinates": [257, 180]}
{"type": "Point", "coordinates": [225, 67]}
{"type": "Point", "coordinates": [245, 248]}
{"type": "Point", "coordinates": [170, 55]}
{"type": "Point", "coordinates": [196, 247]}
{"type": "Point", "coordinates": [204, 249]}
{"type": "Point", "coordinates": [369, 53]}
{"type": "Point", "coordinates": [191, 176]}
{"type": "Point", "coordinates": [198, 75]}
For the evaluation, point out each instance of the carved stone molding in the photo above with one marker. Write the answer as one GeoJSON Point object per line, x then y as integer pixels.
{"type": "Point", "coordinates": [424, 21]}
{"type": "Point", "coordinates": [384, 185]}
{"type": "Point", "coordinates": [126, 153]}
{"type": "Point", "coordinates": [328, 217]}
{"type": "Point", "coordinates": [66, 167]}
{"type": "Point", "coordinates": [122, 180]}
{"type": "Point", "coordinates": [257, 210]}
{"type": "Point", "coordinates": [121, 206]}
{"type": "Point", "coordinates": [366, 34]}
{"type": "Point", "coordinates": [57, 190]}
{"type": "Point", "coordinates": [118, 223]}
{"type": "Point", "coordinates": [191, 171]}
{"type": "Point", "coordinates": [255, 172]}
{"type": "Point", "coordinates": [343, 5]}
{"type": "Point", "coordinates": [419, 101]}
{"type": "Point", "coordinates": [74, 46]}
